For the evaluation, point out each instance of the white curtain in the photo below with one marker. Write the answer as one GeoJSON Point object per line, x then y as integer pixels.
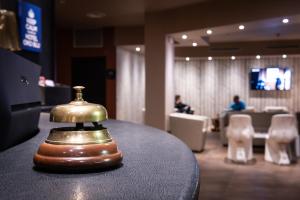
{"type": "Point", "coordinates": [130, 85]}
{"type": "Point", "coordinates": [208, 86]}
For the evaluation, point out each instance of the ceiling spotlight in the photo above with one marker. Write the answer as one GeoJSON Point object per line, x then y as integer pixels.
{"type": "Point", "coordinates": [241, 27]}
{"type": "Point", "coordinates": [285, 20]}
{"type": "Point", "coordinates": [209, 58]}
{"type": "Point", "coordinates": [284, 56]}
{"type": "Point", "coordinates": [138, 49]}
{"type": "Point", "coordinates": [258, 57]}
{"type": "Point", "coordinates": [187, 58]}
{"type": "Point", "coordinates": [232, 57]}
{"type": "Point", "coordinates": [195, 44]}
{"type": "Point", "coordinates": [184, 36]}
{"type": "Point", "coordinates": [209, 32]}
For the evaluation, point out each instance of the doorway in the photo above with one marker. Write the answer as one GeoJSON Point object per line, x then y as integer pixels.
{"type": "Point", "coordinates": [91, 73]}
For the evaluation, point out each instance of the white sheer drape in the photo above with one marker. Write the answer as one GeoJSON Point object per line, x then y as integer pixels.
{"type": "Point", "coordinates": [208, 86]}
{"type": "Point", "coordinates": [130, 85]}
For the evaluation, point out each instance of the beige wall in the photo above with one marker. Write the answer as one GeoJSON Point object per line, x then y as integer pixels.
{"type": "Point", "coordinates": [169, 79]}
{"type": "Point", "coordinates": [208, 86]}
{"type": "Point", "coordinates": [156, 81]}
{"type": "Point", "coordinates": [129, 35]}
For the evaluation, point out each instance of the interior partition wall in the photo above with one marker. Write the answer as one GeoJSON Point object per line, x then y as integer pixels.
{"type": "Point", "coordinates": [208, 86]}
{"type": "Point", "coordinates": [130, 85]}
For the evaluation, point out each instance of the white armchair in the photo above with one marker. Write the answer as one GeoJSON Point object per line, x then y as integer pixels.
{"type": "Point", "coordinates": [240, 133]}
{"type": "Point", "coordinates": [282, 132]}
{"type": "Point", "coordinates": [249, 109]}
{"type": "Point", "coordinates": [191, 129]}
{"type": "Point", "coordinates": [275, 109]}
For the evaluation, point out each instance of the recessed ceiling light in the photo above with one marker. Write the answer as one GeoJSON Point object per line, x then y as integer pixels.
{"type": "Point", "coordinates": [285, 20]}
{"type": "Point", "coordinates": [137, 49]}
{"type": "Point", "coordinates": [284, 56]}
{"type": "Point", "coordinates": [209, 32]}
{"type": "Point", "coordinates": [195, 44]}
{"type": "Point", "coordinates": [241, 27]}
{"type": "Point", "coordinates": [257, 57]}
{"type": "Point", "coordinates": [232, 57]}
{"type": "Point", "coordinates": [184, 36]}
{"type": "Point", "coordinates": [95, 15]}
{"type": "Point", "coordinates": [209, 58]}
{"type": "Point", "coordinates": [187, 58]}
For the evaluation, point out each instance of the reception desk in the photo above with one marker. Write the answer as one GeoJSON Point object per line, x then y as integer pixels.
{"type": "Point", "coordinates": [156, 165]}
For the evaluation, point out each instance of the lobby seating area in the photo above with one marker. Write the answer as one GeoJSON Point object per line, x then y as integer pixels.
{"type": "Point", "coordinates": [259, 180]}
{"type": "Point", "coordinates": [261, 122]}
{"type": "Point", "coordinates": [278, 135]}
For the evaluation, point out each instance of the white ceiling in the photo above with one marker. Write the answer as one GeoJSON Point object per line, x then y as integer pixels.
{"type": "Point", "coordinates": [263, 30]}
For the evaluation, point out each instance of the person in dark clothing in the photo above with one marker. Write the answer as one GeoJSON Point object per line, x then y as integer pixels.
{"type": "Point", "coordinates": [181, 107]}
{"type": "Point", "coordinates": [277, 84]}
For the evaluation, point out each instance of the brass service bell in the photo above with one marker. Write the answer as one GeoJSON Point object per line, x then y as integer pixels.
{"type": "Point", "coordinates": [79, 147]}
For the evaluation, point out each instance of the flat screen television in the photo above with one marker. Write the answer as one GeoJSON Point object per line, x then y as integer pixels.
{"type": "Point", "coordinates": [270, 78]}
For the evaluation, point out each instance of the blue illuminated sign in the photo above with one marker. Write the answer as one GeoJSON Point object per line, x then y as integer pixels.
{"type": "Point", "coordinates": [30, 26]}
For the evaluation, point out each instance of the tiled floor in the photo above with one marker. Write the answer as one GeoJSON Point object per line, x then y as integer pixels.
{"type": "Point", "coordinates": [259, 181]}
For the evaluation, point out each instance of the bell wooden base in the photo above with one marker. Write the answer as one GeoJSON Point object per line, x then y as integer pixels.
{"type": "Point", "coordinates": [77, 157]}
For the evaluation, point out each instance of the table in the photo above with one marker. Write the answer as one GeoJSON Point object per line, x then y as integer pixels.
{"type": "Point", "coordinates": [156, 165]}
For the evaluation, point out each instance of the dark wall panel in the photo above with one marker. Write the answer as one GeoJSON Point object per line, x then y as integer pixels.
{"type": "Point", "coordinates": [65, 52]}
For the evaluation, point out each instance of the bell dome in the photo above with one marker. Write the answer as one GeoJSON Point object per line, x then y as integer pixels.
{"type": "Point", "coordinates": [78, 111]}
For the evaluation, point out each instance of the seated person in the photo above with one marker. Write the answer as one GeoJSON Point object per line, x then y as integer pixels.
{"type": "Point", "coordinates": [237, 104]}
{"type": "Point", "coordinates": [181, 107]}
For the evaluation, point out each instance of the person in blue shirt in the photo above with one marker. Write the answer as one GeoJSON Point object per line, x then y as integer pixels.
{"type": "Point", "coordinates": [237, 104]}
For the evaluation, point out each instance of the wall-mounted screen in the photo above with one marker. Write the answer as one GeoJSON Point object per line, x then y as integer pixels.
{"type": "Point", "coordinates": [271, 78]}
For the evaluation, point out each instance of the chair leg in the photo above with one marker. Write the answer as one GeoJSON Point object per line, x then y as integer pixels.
{"type": "Point", "coordinates": [297, 146]}
{"type": "Point", "coordinates": [239, 151]}
{"type": "Point", "coordinates": [268, 156]}
{"type": "Point", "coordinates": [241, 154]}
{"type": "Point", "coordinates": [276, 153]}
{"type": "Point", "coordinates": [284, 158]}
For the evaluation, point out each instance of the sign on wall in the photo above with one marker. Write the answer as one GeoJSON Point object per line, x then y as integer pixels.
{"type": "Point", "coordinates": [30, 26]}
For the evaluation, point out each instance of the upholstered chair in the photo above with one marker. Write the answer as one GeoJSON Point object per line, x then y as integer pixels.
{"type": "Point", "coordinates": [275, 109]}
{"type": "Point", "coordinates": [240, 133]}
{"type": "Point", "coordinates": [190, 129]}
{"type": "Point", "coordinates": [282, 132]}
{"type": "Point", "coordinates": [250, 109]}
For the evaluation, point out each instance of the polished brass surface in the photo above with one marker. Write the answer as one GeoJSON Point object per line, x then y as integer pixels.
{"type": "Point", "coordinates": [78, 111]}
{"type": "Point", "coordinates": [79, 93]}
{"type": "Point", "coordinates": [79, 147]}
{"type": "Point", "coordinates": [70, 135]}
{"type": "Point", "coordinates": [9, 36]}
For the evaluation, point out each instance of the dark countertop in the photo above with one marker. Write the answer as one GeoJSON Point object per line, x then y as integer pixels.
{"type": "Point", "coordinates": [156, 165]}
